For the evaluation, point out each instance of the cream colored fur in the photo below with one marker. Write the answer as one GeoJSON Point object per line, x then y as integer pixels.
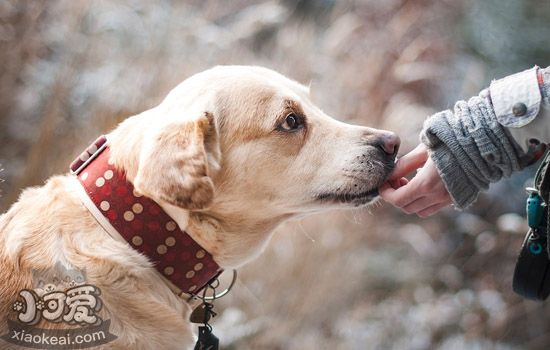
{"type": "Point", "coordinates": [216, 158]}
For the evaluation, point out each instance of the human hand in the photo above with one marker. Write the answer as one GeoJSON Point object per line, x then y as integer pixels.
{"type": "Point", "coordinates": [425, 194]}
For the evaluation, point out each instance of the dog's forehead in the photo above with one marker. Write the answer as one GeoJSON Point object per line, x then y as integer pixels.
{"type": "Point", "coordinates": [238, 95]}
{"type": "Point", "coordinates": [235, 82]}
{"type": "Point", "coordinates": [254, 77]}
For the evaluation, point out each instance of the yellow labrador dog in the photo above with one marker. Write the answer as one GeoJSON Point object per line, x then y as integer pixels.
{"type": "Point", "coordinates": [228, 155]}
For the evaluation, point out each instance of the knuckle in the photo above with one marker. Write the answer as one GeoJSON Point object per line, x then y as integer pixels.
{"type": "Point", "coordinates": [407, 210]}
{"type": "Point", "coordinates": [400, 203]}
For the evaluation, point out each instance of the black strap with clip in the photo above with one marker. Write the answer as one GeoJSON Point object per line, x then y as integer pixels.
{"type": "Point", "coordinates": [542, 184]}
{"type": "Point", "coordinates": [532, 272]}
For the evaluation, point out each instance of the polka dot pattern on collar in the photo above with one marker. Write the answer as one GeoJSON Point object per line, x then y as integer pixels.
{"type": "Point", "coordinates": [146, 227]}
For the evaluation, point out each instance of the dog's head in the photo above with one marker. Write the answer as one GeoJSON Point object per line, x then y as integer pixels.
{"type": "Point", "coordinates": [247, 142]}
{"type": "Point", "coordinates": [248, 134]}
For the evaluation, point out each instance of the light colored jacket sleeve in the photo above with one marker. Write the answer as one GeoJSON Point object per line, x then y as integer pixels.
{"type": "Point", "coordinates": [484, 139]}
{"type": "Point", "coordinates": [539, 127]}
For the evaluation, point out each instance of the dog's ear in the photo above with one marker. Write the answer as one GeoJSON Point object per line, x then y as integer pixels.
{"type": "Point", "coordinates": [175, 163]}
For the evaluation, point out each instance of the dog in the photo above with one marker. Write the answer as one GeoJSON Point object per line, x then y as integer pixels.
{"type": "Point", "coordinates": [229, 154]}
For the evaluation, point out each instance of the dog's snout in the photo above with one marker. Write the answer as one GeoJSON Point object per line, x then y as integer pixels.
{"type": "Point", "coordinates": [389, 143]}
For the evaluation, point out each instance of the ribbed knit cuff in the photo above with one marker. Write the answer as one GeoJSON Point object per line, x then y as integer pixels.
{"type": "Point", "coordinates": [462, 191]}
{"type": "Point", "coordinates": [442, 141]}
{"type": "Point", "coordinates": [470, 149]}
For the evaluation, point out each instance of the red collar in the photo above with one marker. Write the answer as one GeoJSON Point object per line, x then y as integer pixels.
{"type": "Point", "coordinates": [143, 224]}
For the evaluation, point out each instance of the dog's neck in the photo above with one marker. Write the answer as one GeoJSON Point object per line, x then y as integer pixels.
{"type": "Point", "coordinates": [232, 239]}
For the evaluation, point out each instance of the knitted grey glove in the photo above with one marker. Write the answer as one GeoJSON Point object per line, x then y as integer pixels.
{"type": "Point", "coordinates": [470, 148]}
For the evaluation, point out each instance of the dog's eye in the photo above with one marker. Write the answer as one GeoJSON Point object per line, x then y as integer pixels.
{"type": "Point", "coordinates": [292, 122]}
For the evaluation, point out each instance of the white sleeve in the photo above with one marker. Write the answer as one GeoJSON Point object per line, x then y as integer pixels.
{"type": "Point", "coordinates": [522, 105]}
{"type": "Point", "coordinates": [538, 129]}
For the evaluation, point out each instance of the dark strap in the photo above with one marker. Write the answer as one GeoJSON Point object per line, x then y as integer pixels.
{"type": "Point", "coordinates": [542, 178]}
{"type": "Point", "coordinates": [542, 184]}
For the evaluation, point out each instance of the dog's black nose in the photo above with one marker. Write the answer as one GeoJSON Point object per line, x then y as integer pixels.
{"type": "Point", "coordinates": [389, 143]}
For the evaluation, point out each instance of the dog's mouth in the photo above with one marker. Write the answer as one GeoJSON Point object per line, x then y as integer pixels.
{"type": "Point", "coordinates": [357, 199]}
{"type": "Point", "coordinates": [361, 197]}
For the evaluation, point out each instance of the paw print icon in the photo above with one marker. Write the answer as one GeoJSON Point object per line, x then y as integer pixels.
{"type": "Point", "coordinates": [49, 288]}
{"type": "Point", "coordinates": [17, 306]}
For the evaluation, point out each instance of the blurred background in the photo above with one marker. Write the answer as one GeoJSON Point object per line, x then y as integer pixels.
{"type": "Point", "coordinates": [358, 279]}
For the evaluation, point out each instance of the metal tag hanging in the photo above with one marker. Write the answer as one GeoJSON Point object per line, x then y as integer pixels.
{"type": "Point", "coordinates": [202, 313]}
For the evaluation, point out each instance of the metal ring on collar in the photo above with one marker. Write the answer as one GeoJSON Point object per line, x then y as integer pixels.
{"type": "Point", "coordinates": [221, 294]}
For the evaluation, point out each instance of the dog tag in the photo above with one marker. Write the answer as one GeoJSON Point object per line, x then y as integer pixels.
{"type": "Point", "coordinates": [199, 315]}
{"type": "Point", "coordinates": [202, 313]}
{"type": "Point", "coordinates": [207, 340]}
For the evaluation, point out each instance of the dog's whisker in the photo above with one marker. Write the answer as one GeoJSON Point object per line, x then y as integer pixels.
{"type": "Point", "coordinates": [305, 233]}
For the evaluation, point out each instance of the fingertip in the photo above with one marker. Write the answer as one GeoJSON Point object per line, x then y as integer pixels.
{"type": "Point", "coordinates": [409, 162]}
{"type": "Point", "coordinates": [385, 189]}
